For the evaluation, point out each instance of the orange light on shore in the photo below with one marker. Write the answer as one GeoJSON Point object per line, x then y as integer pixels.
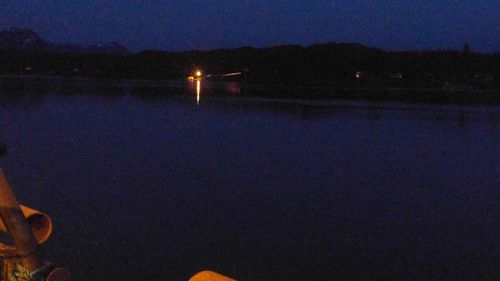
{"type": "Point", "coordinates": [197, 74]}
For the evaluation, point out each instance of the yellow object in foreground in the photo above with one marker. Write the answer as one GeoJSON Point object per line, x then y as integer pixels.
{"type": "Point", "coordinates": [209, 276]}
{"type": "Point", "coordinates": [40, 223]}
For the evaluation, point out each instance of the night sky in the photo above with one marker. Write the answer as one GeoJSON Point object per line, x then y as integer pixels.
{"type": "Point", "coordinates": [187, 24]}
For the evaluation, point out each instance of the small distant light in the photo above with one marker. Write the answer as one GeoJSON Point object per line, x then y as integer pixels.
{"type": "Point", "coordinates": [232, 74]}
{"type": "Point", "coordinates": [198, 73]}
{"type": "Point", "coordinates": [358, 75]}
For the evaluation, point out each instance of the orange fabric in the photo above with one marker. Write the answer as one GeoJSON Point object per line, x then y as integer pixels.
{"type": "Point", "coordinates": [210, 276]}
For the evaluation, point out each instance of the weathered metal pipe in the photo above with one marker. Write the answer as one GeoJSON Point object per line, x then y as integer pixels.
{"type": "Point", "coordinates": [40, 224]}
{"type": "Point", "coordinates": [18, 227]}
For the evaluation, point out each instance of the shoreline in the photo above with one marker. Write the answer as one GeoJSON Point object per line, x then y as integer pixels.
{"type": "Point", "coordinates": [453, 96]}
{"type": "Point", "coordinates": [254, 86]}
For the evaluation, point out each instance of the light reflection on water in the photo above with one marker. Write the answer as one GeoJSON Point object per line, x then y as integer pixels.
{"type": "Point", "coordinates": [195, 85]}
{"type": "Point", "coordinates": [145, 188]}
{"type": "Point", "coordinates": [198, 91]}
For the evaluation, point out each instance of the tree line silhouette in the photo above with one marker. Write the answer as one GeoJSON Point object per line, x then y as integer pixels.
{"type": "Point", "coordinates": [323, 65]}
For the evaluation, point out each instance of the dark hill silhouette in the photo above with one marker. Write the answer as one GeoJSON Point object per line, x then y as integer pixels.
{"type": "Point", "coordinates": [26, 40]}
{"type": "Point", "coordinates": [22, 39]}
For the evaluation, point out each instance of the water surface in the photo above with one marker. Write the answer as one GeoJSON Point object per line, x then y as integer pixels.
{"type": "Point", "coordinates": [157, 184]}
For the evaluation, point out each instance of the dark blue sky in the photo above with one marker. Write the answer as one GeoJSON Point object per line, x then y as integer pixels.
{"type": "Point", "coordinates": [187, 24]}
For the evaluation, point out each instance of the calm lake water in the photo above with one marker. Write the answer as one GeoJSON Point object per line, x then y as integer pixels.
{"type": "Point", "coordinates": [155, 183]}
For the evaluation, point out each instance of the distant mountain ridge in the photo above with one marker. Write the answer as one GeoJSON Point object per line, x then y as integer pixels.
{"type": "Point", "coordinates": [23, 39]}
{"type": "Point", "coordinates": [26, 40]}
